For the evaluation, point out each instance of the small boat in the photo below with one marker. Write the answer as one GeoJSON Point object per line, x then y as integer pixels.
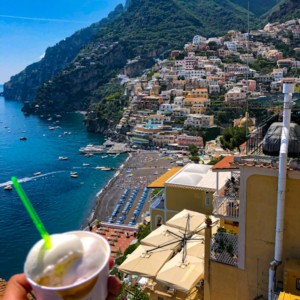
{"type": "Point", "coordinates": [85, 164]}
{"type": "Point", "coordinates": [37, 173]}
{"type": "Point", "coordinates": [23, 138]}
{"type": "Point", "coordinates": [89, 154]}
{"type": "Point", "coordinates": [106, 169]}
{"type": "Point", "coordinates": [63, 158]}
{"type": "Point", "coordinates": [8, 187]}
{"type": "Point", "coordinates": [104, 156]}
{"type": "Point", "coordinates": [99, 168]}
{"type": "Point", "coordinates": [92, 149]}
{"type": "Point", "coordinates": [74, 174]}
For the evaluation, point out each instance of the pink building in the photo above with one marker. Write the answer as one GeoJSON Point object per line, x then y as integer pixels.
{"type": "Point", "coordinates": [186, 140]}
{"type": "Point", "coordinates": [251, 84]}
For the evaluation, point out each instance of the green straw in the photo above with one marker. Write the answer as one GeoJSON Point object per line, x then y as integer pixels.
{"type": "Point", "coordinates": [32, 213]}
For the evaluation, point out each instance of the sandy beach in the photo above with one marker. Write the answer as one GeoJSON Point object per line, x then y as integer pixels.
{"type": "Point", "coordinates": [139, 170]}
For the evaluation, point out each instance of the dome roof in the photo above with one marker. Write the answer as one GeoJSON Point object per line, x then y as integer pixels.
{"type": "Point", "coordinates": [245, 121]}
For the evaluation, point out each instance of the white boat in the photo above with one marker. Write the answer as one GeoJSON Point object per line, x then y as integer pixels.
{"type": "Point", "coordinates": [63, 158]}
{"type": "Point", "coordinates": [85, 164]}
{"type": "Point", "coordinates": [74, 174]}
{"type": "Point", "coordinates": [37, 173]}
{"type": "Point", "coordinates": [99, 168]}
{"type": "Point", "coordinates": [8, 187]}
{"type": "Point", "coordinates": [92, 149]}
{"type": "Point", "coordinates": [104, 156]}
{"type": "Point", "coordinates": [106, 169]}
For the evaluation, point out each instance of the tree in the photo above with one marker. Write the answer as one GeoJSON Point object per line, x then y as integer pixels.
{"type": "Point", "coordinates": [193, 150]}
{"type": "Point", "coordinates": [195, 159]}
{"type": "Point", "coordinates": [233, 137]}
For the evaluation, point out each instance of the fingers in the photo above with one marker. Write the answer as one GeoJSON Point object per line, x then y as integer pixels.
{"type": "Point", "coordinates": [17, 288]}
{"type": "Point", "coordinates": [111, 262]}
{"type": "Point", "coordinates": [114, 287]}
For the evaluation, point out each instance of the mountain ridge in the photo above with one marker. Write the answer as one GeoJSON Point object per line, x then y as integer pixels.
{"type": "Point", "coordinates": [55, 59]}
{"type": "Point", "coordinates": [143, 29]}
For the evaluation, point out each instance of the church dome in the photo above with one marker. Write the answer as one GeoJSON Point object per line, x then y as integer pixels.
{"type": "Point", "coordinates": [247, 121]}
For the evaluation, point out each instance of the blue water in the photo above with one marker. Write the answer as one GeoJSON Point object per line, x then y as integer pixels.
{"type": "Point", "coordinates": [62, 202]}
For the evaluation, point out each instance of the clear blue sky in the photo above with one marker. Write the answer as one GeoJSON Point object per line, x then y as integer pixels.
{"type": "Point", "coordinates": [28, 27]}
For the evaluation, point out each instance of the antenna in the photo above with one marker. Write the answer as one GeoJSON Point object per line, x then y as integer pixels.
{"type": "Point", "coordinates": [247, 75]}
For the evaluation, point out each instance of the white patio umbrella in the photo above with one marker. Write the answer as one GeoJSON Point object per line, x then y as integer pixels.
{"type": "Point", "coordinates": [164, 237]}
{"type": "Point", "coordinates": [195, 246]}
{"type": "Point", "coordinates": [187, 220]}
{"type": "Point", "coordinates": [182, 276]}
{"type": "Point", "coordinates": [145, 261]}
{"type": "Point", "coordinates": [190, 221]}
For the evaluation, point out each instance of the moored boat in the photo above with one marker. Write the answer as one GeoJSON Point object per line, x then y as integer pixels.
{"type": "Point", "coordinates": [8, 187]}
{"type": "Point", "coordinates": [63, 158]}
{"type": "Point", "coordinates": [74, 174]}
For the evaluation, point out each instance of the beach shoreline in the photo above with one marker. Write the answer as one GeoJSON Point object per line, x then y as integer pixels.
{"type": "Point", "coordinates": [138, 170]}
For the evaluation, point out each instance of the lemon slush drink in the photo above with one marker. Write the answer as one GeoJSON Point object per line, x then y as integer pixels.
{"type": "Point", "coordinates": [76, 267]}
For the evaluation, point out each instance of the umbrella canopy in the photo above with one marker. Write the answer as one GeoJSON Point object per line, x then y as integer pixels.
{"type": "Point", "coordinates": [180, 221]}
{"type": "Point", "coordinates": [182, 276]}
{"type": "Point", "coordinates": [195, 246]}
{"type": "Point", "coordinates": [145, 261]}
{"type": "Point", "coordinates": [165, 237]}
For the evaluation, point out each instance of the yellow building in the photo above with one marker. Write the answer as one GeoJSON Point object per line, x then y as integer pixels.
{"type": "Point", "coordinates": [200, 92]}
{"type": "Point", "coordinates": [191, 101]}
{"type": "Point", "coordinates": [191, 187]}
{"type": "Point", "coordinates": [240, 269]}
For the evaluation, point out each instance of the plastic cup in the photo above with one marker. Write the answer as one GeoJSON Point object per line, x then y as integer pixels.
{"type": "Point", "coordinates": [93, 287]}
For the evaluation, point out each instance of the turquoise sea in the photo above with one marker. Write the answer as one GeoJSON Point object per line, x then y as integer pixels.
{"type": "Point", "coordinates": [62, 202]}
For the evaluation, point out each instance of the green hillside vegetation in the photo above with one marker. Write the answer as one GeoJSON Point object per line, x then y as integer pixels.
{"type": "Point", "coordinates": [75, 73]}
{"type": "Point", "coordinates": [285, 10]}
{"type": "Point", "coordinates": [146, 30]}
{"type": "Point", "coordinates": [258, 7]}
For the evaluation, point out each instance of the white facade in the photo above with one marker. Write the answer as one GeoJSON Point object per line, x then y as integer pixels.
{"type": "Point", "coordinates": [178, 101]}
{"type": "Point", "coordinates": [195, 74]}
{"type": "Point", "coordinates": [166, 107]}
{"type": "Point", "coordinates": [198, 40]}
{"type": "Point", "coordinates": [199, 121]}
{"type": "Point", "coordinates": [277, 75]}
{"type": "Point", "coordinates": [230, 46]}
{"type": "Point", "coordinates": [235, 94]}
{"type": "Point", "coordinates": [214, 89]}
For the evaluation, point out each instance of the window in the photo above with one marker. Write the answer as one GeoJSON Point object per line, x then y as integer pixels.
{"type": "Point", "coordinates": [158, 221]}
{"type": "Point", "coordinates": [298, 284]}
{"type": "Point", "coordinates": [207, 199]}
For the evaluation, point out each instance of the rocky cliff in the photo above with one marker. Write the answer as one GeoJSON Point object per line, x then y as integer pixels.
{"type": "Point", "coordinates": [24, 85]}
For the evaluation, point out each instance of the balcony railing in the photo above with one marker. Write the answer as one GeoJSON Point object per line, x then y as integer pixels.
{"type": "Point", "coordinates": [155, 196]}
{"type": "Point", "coordinates": [158, 203]}
{"type": "Point", "coordinates": [226, 207]}
{"type": "Point", "coordinates": [224, 248]}
{"type": "Point", "coordinates": [157, 200]}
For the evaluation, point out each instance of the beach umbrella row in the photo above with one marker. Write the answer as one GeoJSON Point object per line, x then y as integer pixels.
{"type": "Point", "coordinates": [127, 206]}
{"type": "Point", "coordinates": [119, 205]}
{"type": "Point", "coordinates": [139, 207]}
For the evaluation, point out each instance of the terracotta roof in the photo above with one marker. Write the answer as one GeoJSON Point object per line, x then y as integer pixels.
{"type": "Point", "coordinates": [224, 164]}
{"type": "Point", "coordinates": [160, 182]}
{"type": "Point", "coordinates": [118, 239]}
